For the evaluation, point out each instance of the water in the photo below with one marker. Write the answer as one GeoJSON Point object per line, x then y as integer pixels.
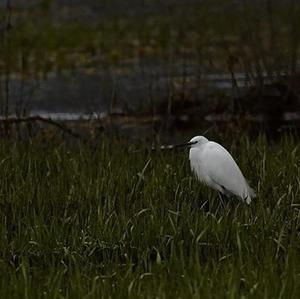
{"type": "Point", "coordinates": [128, 87]}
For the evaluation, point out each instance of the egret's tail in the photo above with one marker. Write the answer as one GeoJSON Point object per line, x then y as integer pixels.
{"type": "Point", "coordinates": [250, 194]}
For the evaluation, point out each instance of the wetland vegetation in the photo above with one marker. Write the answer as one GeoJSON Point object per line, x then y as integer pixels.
{"type": "Point", "coordinates": [89, 211]}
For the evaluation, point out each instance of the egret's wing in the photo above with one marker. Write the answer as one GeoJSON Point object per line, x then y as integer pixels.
{"type": "Point", "coordinates": [224, 171]}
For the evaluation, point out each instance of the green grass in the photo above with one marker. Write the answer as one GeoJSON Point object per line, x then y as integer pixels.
{"type": "Point", "coordinates": [124, 222]}
{"type": "Point", "coordinates": [206, 32]}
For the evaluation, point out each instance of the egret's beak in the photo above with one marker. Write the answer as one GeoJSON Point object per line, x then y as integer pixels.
{"type": "Point", "coordinates": [185, 144]}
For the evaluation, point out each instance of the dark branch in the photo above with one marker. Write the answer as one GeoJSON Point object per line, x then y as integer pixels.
{"type": "Point", "coordinates": [17, 120]}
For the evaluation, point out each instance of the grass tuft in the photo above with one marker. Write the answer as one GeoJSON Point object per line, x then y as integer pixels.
{"type": "Point", "coordinates": [125, 222]}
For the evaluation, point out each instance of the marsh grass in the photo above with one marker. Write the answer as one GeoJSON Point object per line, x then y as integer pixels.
{"type": "Point", "coordinates": [124, 222]}
{"type": "Point", "coordinates": [37, 44]}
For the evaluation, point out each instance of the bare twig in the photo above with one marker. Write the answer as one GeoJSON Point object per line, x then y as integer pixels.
{"type": "Point", "coordinates": [17, 120]}
{"type": "Point", "coordinates": [8, 26]}
{"type": "Point", "coordinates": [295, 33]}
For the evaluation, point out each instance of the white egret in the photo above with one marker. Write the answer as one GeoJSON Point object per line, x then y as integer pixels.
{"type": "Point", "coordinates": [214, 166]}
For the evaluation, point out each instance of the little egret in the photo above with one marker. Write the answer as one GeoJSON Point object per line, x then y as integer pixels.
{"type": "Point", "coordinates": [215, 167]}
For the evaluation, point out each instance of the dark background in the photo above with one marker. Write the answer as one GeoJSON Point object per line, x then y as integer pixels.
{"type": "Point", "coordinates": [184, 60]}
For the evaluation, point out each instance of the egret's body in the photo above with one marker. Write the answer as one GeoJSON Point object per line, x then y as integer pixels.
{"type": "Point", "coordinates": [214, 166]}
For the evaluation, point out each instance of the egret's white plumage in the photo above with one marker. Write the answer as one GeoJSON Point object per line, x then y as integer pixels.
{"type": "Point", "coordinates": [214, 166]}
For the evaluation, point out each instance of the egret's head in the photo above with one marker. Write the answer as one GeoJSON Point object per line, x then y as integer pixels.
{"type": "Point", "coordinates": [194, 142]}
{"type": "Point", "coordinates": [197, 141]}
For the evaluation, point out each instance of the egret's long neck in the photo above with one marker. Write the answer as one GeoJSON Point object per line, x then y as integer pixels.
{"type": "Point", "coordinates": [196, 150]}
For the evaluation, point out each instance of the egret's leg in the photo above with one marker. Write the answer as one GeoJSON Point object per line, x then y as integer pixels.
{"type": "Point", "coordinates": [223, 199]}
